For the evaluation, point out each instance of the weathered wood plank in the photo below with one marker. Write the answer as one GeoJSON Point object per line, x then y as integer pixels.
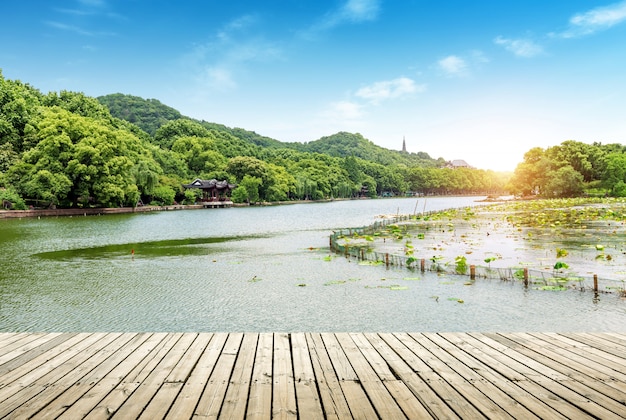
{"type": "Point", "coordinates": [458, 371]}
{"type": "Point", "coordinates": [188, 398]}
{"type": "Point", "coordinates": [522, 397]}
{"type": "Point", "coordinates": [283, 390]}
{"type": "Point", "coordinates": [466, 388]}
{"type": "Point", "coordinates": [124, 389]}
{"type": "Point", "coordinates": [260, 398]}
{"type": "Point", "coordinates": [307, 394]}
{"type": "Point", "coordinates": [545, 376]}
{"type": "Point", "coordinates": [359, 403]}
{"type": "Point", "coordinates": [50, 386]}
{"type": "Point", "coordinates": [234, 405]}
{"type": "Point", "coordinates": [211, 400]}
{"type": "Point", "coordinates": [160, 404]}
{"type": "Point", "coordinates": [409, 403]}
{"type": "Point", "coordinates": [381, 399]}
{"type": "Point", "coordinates": [117, 351]}
{"type": "Point", "coordinates": [146, 342]}
{"type": "Point", "coordinates": [429, 399]}
{"type": "Point", "coordinates": [570, 364]}
{"type": "Point", "coordinates": [333, 400]}
{"type": "Point", "coordinates": [45, 354]}
{"type": "Point", "coordinates": [313, 375]}
{"type": "Point", "coordinates": [26, 344]}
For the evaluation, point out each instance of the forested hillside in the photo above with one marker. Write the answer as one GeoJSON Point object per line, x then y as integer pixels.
{"type": "Point", "coordinates": [70, 150]}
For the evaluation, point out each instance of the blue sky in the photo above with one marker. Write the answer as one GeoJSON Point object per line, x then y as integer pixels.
{"type": "Point", "coordinates": [483, 81]}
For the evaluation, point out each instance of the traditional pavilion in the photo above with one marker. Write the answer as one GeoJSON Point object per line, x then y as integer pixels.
{"type": "Point", "coordinates": [213, 190]}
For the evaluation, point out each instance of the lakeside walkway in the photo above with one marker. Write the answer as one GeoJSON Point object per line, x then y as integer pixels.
{"type": "Point", "coordinates": [313, 375]}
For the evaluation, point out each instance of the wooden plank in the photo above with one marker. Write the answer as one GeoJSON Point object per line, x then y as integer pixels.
{"type": "Point", "coordinates": [234, 405]}
{"type": "Point", "coordinates": [45, 354]}
{"type": "Point", "coordinates": [381, 399]}
{"type": "Point", "coordinates": [574, 359]}
{"type": "Point", "coordinates": [110, 404]}
{"type": "Point", "coordinates": [188, 398]}
{"type": "Point", "coordinates": [359, 403]}
{"type": "Point", "coordinates": [415, 359]}
{"type": "Point", "coordinates": [145, 343]}
{"type": "Point", "coordinates": [307, 394]}
{"type": "Point", "coordinates": [49, 387]}
{"type": "Point", "coordinates": [150, 385]}
{"type": "Point", "coordinates": [37, 380]}
{"type": "Point", "coordinates": [500, 362]}
{"type": "Point", "coordinates": [408, 402]}
{"type": "Point", "coordinates": [599, 346]}
{"type": "Point", "coordinates": [160, 404]}
{"type": "Point", "coordinates": [526, 399]}
{"type": "Point", "coordinates": [211, 400]}
{"type": "Point", "coordinates": [25, 344]}
{"type": "Point", "coordinates": [117, 351]}
{"type": "Point", "coordinates": [341, 364]}
{"type": "Point", "coordinates": [331, 394]}
{"type": "Point", "coordinates": [586, 385]}
{"type": "Point", "coordinates": [616, 369]}
{"type": "Point", "coordinates": [429, 399]}
{"type": "Point", "coordinates": [180, 375]}
{"type": "Point", "coordinates": [7, 338]}
{"type": "Point", "coordinates": [283, 390]}
{"type": "Point", "coordinates": [260, 398]}
{"type": "Point", "coordinates": [466, 388]}
{"type": "Point", "coordinates": [543, 375]}
{"type": "Point", "coordinates": [483, 391]}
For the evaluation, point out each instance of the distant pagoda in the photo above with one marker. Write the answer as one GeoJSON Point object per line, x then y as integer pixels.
{"type": "Point", "coordinates": [404, 145]}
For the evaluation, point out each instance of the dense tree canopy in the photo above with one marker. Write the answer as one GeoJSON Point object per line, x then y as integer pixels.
{"type": "Point", "coordinates": [71, 150]}
{"type": "Point", "coordinates": [571, 169]}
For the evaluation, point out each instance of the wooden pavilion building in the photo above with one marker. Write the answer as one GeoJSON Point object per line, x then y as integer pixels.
{"type": "Point", "coordinates": [214, 193]}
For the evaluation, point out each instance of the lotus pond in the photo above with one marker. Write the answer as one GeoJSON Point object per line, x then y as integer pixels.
{"type": "Point", "coordinates": [270, 269]}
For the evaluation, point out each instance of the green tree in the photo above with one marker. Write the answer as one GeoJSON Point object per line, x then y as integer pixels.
{"type": "Point", "coordinates": [564, 182]}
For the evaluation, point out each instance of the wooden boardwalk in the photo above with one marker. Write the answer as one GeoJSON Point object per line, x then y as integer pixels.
{"type": "Point", "coordinates": [313, 375]}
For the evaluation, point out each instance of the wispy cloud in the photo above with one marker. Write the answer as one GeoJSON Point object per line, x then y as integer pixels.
{"type": "Point", "coordinates": [520, 47]}
{"type": "Point", "coordinates": [389, 89]}
{"type": "Point", "coordinates": [350, 12]}
{"type": "Point", "coordinates": [219, 61]}
{"type": "Point", "coordinates": [594, 20]}
{"type": "Point", "coordinates": [453, 65]}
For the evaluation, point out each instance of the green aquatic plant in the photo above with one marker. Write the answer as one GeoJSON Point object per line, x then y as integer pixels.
{"type": "Point", "coordinates": [561, 253]}
{"type": "Point", "coordinates": [560, 265]}
{"type": "Point", "coordinates": [460, 264]}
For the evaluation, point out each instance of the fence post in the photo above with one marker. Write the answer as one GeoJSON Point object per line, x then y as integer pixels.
{"type": "Point", "coordinates": [472, 272]}
{"type": "Point", "coordinates": [526, 277]}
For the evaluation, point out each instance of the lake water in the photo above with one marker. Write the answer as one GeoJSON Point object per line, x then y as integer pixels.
{"type": "Point", "coordinates": [255, 269]}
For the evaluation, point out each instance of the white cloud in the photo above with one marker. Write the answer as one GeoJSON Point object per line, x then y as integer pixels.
{"type": "Point", "coordinates": [519, 47]}
{"type": "Point", "coordinates": [389, 89]}
{"type": "Point", "coordinates": [594, 20]}
{"type": "Point", "coordinates": [351, 11]}
{"type": "Point", "coordinates": [453, 65]}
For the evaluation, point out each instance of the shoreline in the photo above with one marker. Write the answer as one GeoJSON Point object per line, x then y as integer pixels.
{"type": "Point", "coordinates": [18, 214]}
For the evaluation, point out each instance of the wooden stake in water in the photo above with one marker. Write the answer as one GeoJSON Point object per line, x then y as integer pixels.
{"type": "Point", "coordinates": [595, 283]}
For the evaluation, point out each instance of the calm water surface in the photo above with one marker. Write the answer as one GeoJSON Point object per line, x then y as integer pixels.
{"type": "Point", "coordinates": [255, 269]}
